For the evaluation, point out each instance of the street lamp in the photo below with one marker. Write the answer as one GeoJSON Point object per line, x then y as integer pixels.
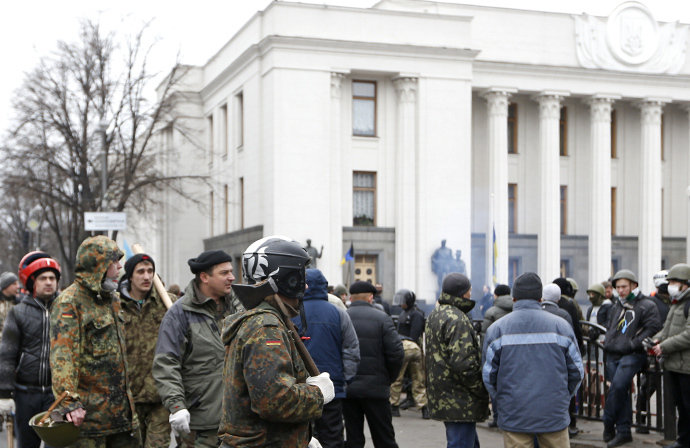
{"type": "Point", "coordinates": [101, 128]}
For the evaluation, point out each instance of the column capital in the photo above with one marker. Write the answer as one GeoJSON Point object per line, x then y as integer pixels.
{"type": "Point", "coordinates": [651, 109]}
{"type": "Point", "coordinates": [337, 79]}
{"type": "Point", "coordinates": [550, 103]}
{"type": "Point", "coordinates": [686, 108]}
{"type": "Point", "coordinates": [406, 88]}
{"type": "Point", "coordinates": [600, 106]}
{"type": "Point", "coordinates": [497, 99]}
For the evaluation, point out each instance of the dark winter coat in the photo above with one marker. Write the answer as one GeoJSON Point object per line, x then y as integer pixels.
{"type": "Point", "coordinates": [553, 308]}
{"type": "Point", "coordinates": [629, 324]}
{"type": "Point", "coordinates": [381, 352]}
{"type": "Point", "coordinates": [411, 324]}
{"type": "Point", "coordinates": [332, 341]}
{"type": "Point", "coordinates": [502, 306]}
{"type": "Point", "coordinates": [25, 348]}
{"type": "Point", "coordinates": [568, 304]}
{"type": "Point", "coordinates": [454, 363]}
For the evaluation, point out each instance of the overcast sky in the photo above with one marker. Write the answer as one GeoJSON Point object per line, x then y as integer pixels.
{"type": "Point", "coordinates": [197, 30]}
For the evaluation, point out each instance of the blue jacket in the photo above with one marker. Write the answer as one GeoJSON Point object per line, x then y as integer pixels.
{"type": "Point", "coordinates": [332, 343]}
{"type": "Point", "coordinates": [532, 367]}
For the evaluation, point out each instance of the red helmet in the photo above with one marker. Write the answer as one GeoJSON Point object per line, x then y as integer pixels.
{"type": "Point", "coordinates": [32, 263]}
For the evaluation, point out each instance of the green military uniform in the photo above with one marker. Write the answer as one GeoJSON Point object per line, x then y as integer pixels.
{"type": "Point", "coordinates": [453, 363]}
{"type": "Point", "coordinates": [87, 356]}
{"type": "Point", "coordinates": [266, 401]}
{"type": "Point", "coordinates": [188, 365]}
{"type": "Point", "coordinates": [142, 321]}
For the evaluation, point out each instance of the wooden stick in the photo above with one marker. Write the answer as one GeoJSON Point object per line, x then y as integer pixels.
{"type": "Point", "coordinates": [157, 283]}
{"type": "Point", "coordinates": [52, 407]}
{"type": "Point", "coordinates": [9, 423]}
{"type": "Point", "coordinates": [301, 348]}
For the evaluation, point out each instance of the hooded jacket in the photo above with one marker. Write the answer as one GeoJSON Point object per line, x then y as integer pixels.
{"type": "Point", "coordinates": [675, 336]}
{"type": "Point", "coordinates": [332, 341]}
{"type": "Point", "coordinates": [25, 349]}
{"type": "Point", "coordinates": [188, 365]}
{"type": "Point", "coordinates": [502, 306]}
{"type": "Point", "coordinates": [266, 402]}
{"type": "Point", "coordinates": [411, 321]}
{"type": "Point", "coordinates": [630, 322]}
{"type": "Point", "coordinates": [454, 363]}
{"type": "Point", "coordinates": [87, 353]}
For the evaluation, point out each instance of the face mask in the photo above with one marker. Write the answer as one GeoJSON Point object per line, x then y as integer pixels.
{"type": "Point", "coordinates": [673, 290]}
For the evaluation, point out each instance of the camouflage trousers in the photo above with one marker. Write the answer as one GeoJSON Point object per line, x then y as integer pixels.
{"type": "Point", "coordinates": [154, 425]}
{"type": "Point", "coordinates": [119, 440]}
{"type": "Point", "coordinates": [200, 439]}
{"type": "Point", "coordinates": [413, 364]}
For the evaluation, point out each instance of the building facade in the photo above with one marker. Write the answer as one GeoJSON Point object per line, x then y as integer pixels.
{"type": "Point", "coordinates": [526, 140]}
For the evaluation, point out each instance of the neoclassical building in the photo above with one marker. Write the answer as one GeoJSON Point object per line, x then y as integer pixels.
{"type": "Point", "coordinates": [527, 140]}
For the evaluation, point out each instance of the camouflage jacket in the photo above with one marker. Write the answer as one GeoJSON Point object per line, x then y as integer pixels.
{"type": "Point", "coordinates": [141, 327]}
{"type": "Point", "coordinates": [188, 365]}
{"type": "Point", "coordinates": [266, 401]}
{"type": "Point", "coordinates": [453, 363]}
{"type": "Point", "coordinates": [87, 352]}
{"type": "Point", "coordinates": [6, 304]}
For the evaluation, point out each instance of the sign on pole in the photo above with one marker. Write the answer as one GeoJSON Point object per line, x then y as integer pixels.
{"type": "Point", "coordinates": [105, 221]}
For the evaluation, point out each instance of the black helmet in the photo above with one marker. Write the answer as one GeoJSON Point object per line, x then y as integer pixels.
{"type": "Point", "coordinates": [280, 258]}
{"type": "Point", "coordinates": [404, 296]}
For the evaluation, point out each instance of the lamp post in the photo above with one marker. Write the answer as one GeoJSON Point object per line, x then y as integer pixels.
{"type": "Point", "coordinates": [101, 128]}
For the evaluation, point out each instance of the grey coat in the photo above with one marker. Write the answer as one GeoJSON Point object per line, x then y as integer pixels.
{"type": "Point", "coordinates": [502, 306]}
{"type": "Point", "coordinates": [675, 337]}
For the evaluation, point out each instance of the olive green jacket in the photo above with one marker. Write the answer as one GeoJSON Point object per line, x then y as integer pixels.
{"type": "Point", "coordinates": [675, 337]}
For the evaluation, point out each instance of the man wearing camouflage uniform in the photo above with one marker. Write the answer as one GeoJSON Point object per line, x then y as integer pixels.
{"type": "Point", "coordinates": [188, 364]}
{"type": "Point", "coordinates": [457, 395]}
{"type": "Point", "coordinates": [268, 399]}
{"type": "Point", "coordinates": [87, 353]}
{"type": "Point", "coordinates": [143, 310]}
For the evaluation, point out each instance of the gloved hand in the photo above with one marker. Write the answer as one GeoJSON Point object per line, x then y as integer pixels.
{"type": "Point", "coordinates": [323, 382]}
{"type": "Point", "coordinates": [6, 406]}
{"type": "Point", "coordinates": [179, 421]}
{"type": "Point", "coordinates": [314, 443]}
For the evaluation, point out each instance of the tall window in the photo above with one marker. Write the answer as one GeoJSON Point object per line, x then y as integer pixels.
{"type": "Point", "coordinates": [564, 209]}
{"type": "Point", "coordinates": [226, 204]}
{"type": "Point", "coordinates": [212, 211]}
{"type": "Point", "coordinates": [364, 198]}
{"type": "Point", "coordinates": [512, 128]}
{"type": "Point", "coordinates": [513, 269]}
{"type": "Point", "coordinates": [209, 121]}
{"type": "Point", "coordinates": [241, 202]}
{"type": "Point", "coordinates": [662, 137]}
{"type": "Point", "coordinates": [613, 210]}
{"type": "Point", "coordinates": [614, 153]}
{"type": "Point", "coordinates": [224, 128]}
{"type": "Point", "coordinates": [563, 131]}
{"type": "Point", "coordinates": [239, 121]}
{"type": "Point", "coordinates": [364, 108]}
{"type": "Point", "coordinates": [565, 268]}
{"type": "Point", "coordinates": [512, 208]}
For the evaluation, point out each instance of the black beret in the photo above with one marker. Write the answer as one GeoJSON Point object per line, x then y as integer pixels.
{"type": "Point", "coordinates": [362, 287]}
{"type": "Point", "coordinates": [132, 263]}
{"type": "Point", "coordinates": [456, 284]}
{"type": "Point", "coordinates": [527, 286]}
{"type": "Point", "coordinates": [566, 287]}
{"type": "Point", "coordinates": [502, 290]}
{"type": "Point", "coordinates": [207, 260]}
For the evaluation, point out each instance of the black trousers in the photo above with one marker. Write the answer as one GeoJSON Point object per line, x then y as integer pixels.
{"type": "Point", "coordinates": [379, 419]}
{"type": "Point", "coordinates": [329, 428]}
{"type": "Point", "coordinates": [680, 388]}
{"type": "Point", "coordinates": [29, 404]}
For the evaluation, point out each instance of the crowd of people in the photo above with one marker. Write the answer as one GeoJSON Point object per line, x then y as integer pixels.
{"type": "Point", "coordinates": [286, 360]}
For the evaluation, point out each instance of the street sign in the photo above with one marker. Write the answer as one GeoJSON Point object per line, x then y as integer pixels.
{"type": "Point", "coordinates": [105, 221]}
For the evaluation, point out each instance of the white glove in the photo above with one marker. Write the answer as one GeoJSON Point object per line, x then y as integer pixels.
{"type": "Point", "coordinates": [179, 421]}
{"type": "Point", "coordinates": [6, 406]}
{"type": "Point", "coordinates": [314, 443]}
{"type": "Point", "coordinates": [323, 382]}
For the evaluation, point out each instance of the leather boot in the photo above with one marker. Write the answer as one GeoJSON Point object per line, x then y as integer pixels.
{"type": "Point", "coordinates": [395, 411]}
{"type": "Point", "coordinates": [425, 413]}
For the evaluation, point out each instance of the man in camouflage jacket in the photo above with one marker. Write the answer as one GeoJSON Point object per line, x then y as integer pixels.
{"type": "Point", "coordinates": [87, 353]}
{"type": "Point", "coordinates": [144, 310]}
{"type": "Point", "coordinates": [456, 392]}
{"type": "Point", "coordinates": [188, 364]}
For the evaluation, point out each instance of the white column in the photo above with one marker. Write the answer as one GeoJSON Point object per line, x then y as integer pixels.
{"type": "Point", "coordinates": [686, 108]}
{"type": "Point", "coordinates": [497, 101]}
{"type": "Point", "coordinates": [600, 187]}
{"type": "Point", "coordinates": [334, 251]}
{"type": "Point", "coordinates": [649, 236]}
{"type": "Point", "coordinates": [549, 237]}
{"type": "Point", "coordinates": [406, 177]}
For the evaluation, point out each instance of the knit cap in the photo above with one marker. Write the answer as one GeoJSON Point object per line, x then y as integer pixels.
{"type": "Point", "coordinates": [552, 293]}
{"type": "Point", "coordinates": [527, 286]}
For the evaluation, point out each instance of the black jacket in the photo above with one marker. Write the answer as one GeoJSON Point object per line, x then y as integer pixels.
{"type": "Point", "coordinates": [380, 349]}
{"type": "Point", "coordinates": [411, 324]}
{"type": "Point", "coordinates": [630, 324]}
{"type": "Point", "coordinates": [25, 348]}
{"type": "Point", "coordinates": [567, 304]}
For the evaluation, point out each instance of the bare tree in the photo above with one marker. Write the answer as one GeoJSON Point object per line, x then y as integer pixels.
{"type": "Point", "coordinates": [55, 151]}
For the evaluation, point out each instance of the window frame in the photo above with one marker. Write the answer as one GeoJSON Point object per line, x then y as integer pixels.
{"type": "Point", "coordinates": [514, 201]}
{"type": "Point", "coordinates": [564, 209]}
{"type": "Point", "coordinates": [513, 120]}
{"type": "Point", "coordinates": [365, 98]}
{"type": "Point", "coordinates": [372, 189]}
{"type": "Point", "coordinates": [614, 199]}
{"type": "Point", "coordinates": [563, 132]}
{"type": "Point", "coordinates": [239, 120]}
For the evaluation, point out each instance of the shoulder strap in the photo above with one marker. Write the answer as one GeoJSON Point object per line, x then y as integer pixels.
{"type": "Point", "coordinates": [686, 308]}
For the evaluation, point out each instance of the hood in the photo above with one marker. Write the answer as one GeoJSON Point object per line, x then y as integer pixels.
{"type": "Point", "coordinates": [504, 303]}
{"type": "Point", "coordinates": [233, 322]}
{"type": "Point", "coordinates": [93, 260]}
{"type": "Point", "coordinates": [317, 285]}
{"type": "Point", "coordinates": [465, 305]}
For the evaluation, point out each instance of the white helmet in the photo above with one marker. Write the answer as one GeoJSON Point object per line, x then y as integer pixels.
{"type": "Point", "coordinates": [660, 278]}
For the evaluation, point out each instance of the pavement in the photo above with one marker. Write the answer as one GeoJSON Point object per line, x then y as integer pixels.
{"type": "Point", "coordinates": [411, 431]}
